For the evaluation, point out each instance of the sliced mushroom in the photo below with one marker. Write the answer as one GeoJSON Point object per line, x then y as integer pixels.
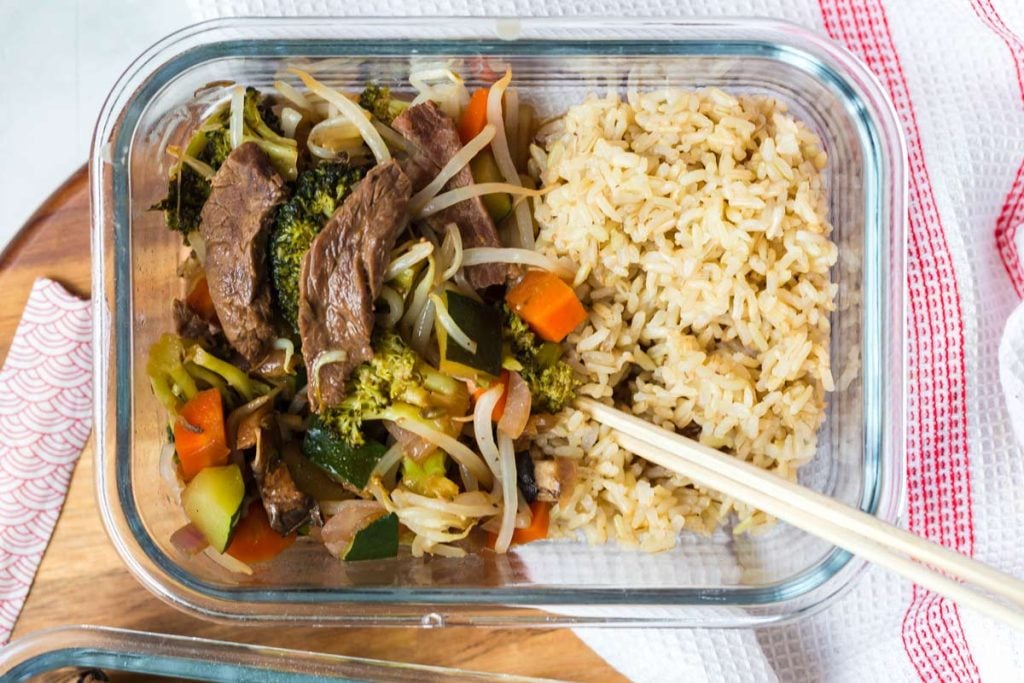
{"type": "Point", "coordinates": [554, 478]}
{"type": "Point", "coordinates": [287, 507]}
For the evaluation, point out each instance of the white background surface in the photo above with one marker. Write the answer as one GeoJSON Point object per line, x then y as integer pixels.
{"type": "Point", "coordinates": [58, 60]}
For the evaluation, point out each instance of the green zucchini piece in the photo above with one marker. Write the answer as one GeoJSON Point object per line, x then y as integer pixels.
{"type": "Point", "coordinates": [345, 463]}
{"type": "Point", "coordinates": [310, 478]}
{"type": "Point", "coordinates": [485, 170]}
{"type": "Point", "coordinates": [376, 541]}
{"type": "Point", "coordinates": [482, 324]}
{"type": "Point", "coordinates": [213, 502]}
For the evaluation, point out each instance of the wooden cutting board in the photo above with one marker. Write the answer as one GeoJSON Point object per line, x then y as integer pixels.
{"type": "Point", "coordinates": [82, 581]}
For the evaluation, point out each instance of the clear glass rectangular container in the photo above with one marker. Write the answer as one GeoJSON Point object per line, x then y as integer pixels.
{"type": "Point", "coordinates": [719, 580]}
{"type": "Point", "coordinates": [67, 653]}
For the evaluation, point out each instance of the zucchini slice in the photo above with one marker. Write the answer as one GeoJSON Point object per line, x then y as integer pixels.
{"type": "Point", "coordinates": [376, 541]}
{"type": "Point", "coordinates": [482, 324]}
{"type": "Point", "coordinates": [213, 501]}
{"type": "Point", "coordinates": [347, 464]}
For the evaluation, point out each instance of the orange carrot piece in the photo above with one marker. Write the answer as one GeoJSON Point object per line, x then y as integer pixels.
{"type": "Point", "coordinates": [254, 540]}
{"type": "Point", "coordinates": [547, 304]}
{"type": "Point", "coordinates": [537, 531]}
{"type": "Point", "coordinates": [199, 300]}
{"type": "Point", "coordinates": [199, 436]}
{"type": "Point", "coordinates": [499, 407]}
{"type": "Point", "coordinates": [474, 116]}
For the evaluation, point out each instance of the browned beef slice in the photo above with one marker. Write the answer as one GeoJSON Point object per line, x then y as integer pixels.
{"type": "Point", "coordinates": [235, 222]}
{"type": "Point", "coordinates": [342, 274]}
{"type": "Point", "coordinates": [434, 134]}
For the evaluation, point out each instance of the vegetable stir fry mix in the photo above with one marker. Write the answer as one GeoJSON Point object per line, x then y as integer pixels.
{"type": "Point", "coordinates": [366, 339]}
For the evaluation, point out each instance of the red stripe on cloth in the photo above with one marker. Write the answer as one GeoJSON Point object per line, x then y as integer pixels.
{"type": "Point", "coordinates": [1012, 213]}
{"type": "Point", "coordinates": [938, 473]}
{"type": "Point", "coordinates": [1010, 218]}
{"type": "Point", "coordinates": [988, 14]}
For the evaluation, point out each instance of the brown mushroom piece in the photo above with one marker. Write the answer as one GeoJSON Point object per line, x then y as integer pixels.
{"type": "Point", "coordinates": [287, 507]}
{"type": "Point", "coordinates": [554, 478]}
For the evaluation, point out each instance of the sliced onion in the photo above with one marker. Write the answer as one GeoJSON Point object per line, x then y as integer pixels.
{"type": "Point", "coordinates": [395, 304]}
{"type": "Point", "coordinates": [337, 128]}
{"type": "Point", "coordinates": [416, 254]}
{"type": "Point", "coordinates": [351, 517]}
{"type": "Point", "coordinates": [189, 540]}
{"type": "Point", "coordinates": [517, 407]}
{"type": "Point", "coordinates": [237, 122]}
{"type": "Point", "coordinates": [452, 168]}
{"type": "Point", "coordinates": [452, 447]}
{"type": "Point", "coordinates": [353, 111]}
{"type": "Point", "coordinates": [290, 120]}
{"type": "Point", "coordinates": [510, 502]}
{"type": "Point", "coordinates": [503, 158]}
{"type": "Point", "coordinates": [476, 256]}
{"type": "Point", "coordinates": [444, 319]}
{"type": "Point", "coordinates": [228, 562]}
{"type": "Point", "coordinates": [412, 446]}
{"type": "Point", "coordinates": [484, 432]}
{"type": "Point", "coordinates": [292, 94]}
{"type": "Point", "coordinates": [452, 244]}
{"type": "Point", "coordinates": [461, 194]}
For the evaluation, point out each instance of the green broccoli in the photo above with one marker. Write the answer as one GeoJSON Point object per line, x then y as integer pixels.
{"type": "Point", "coordinates": [552, 382]}
{"type": "Point", "coordinates": [318, 192]}
{"type": "Point", "coordinates": [188, 189]}
{"type": "Point", "coordinates": [395, 384]}
{"type": "Point", "coordinates": [377, 100]}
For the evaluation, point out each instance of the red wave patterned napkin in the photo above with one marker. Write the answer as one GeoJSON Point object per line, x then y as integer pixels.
{"type": "Point", "coordinates": [45, 419]}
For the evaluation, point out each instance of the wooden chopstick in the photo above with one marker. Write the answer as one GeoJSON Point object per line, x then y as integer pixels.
{"type": "Point", "coordinates": [911, 556]}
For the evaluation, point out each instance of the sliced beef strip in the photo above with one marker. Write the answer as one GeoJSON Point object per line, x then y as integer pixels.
{"type": "Point", "coordinates": [435, 141]}
{"type": "Point", "coordinates": [342, 275]}
{"type": "Point", "coordinates": [235, 223]}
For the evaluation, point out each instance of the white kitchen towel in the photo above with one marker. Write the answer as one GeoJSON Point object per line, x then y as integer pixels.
{"type": "Point", "coordinates": [955, 71]}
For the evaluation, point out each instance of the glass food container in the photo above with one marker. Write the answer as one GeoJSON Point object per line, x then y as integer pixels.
{"type": "Point", "coordinates": [95, 653]}
{"type": "Point", "coordinates": [715, 581]}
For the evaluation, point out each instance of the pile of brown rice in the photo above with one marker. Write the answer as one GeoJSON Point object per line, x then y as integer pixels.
{"type": "Point", "coordinates": [698, 222]}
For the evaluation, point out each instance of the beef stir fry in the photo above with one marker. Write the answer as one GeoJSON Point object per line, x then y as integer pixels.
{"type": "Point", "coordinates": [367, 340]}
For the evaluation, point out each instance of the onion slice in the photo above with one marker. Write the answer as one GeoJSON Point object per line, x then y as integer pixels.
{"type": "Point", "coordinates": [510, 502]}
{"type": "Point", "coordinates": [517, 407]}
{"type": "Point", "coordinates": [350, 517]}
{"type": "Point", "coordinates": [189, 540]}
{"type": "Point", "coordinates": [352, 111]}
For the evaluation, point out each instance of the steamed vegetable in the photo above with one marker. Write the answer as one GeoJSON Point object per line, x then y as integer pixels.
{"type": "Point", "coordinates": [345, 462]}
{"type": "Point", "coordinates": [361, 530]}
{"type": "Point", "coordinates": [485, 170]}
{"type": "Point", "coordinates": [474, 116]}
{"type": "Point", "coordinates": [551, 380]}
{"type": "Point", "coordinates": [395, 375]}
{"type": "Point", "coordinates": [549, 305]}
{"type": "Point", "coordinates": [199, 300]}
{"type": "Point", "coordinates": [318, 193]}
{"type": "Point", "coordinates": [377, 100]}
{"type": "Point", "coordinates": [482, 324]}
{"type": "Point", "coordinates": [308, 477]}
{"type": "Point", "coordinates": [199, 436]}
{"type": "Point", "coordinates": [213, 500]}
{"type": "Point", "coordinates": [376, 541]}
{"type": "Point", "coordinates": [254, 540]}
{"type": "Point", "coordinates": [428, 478]}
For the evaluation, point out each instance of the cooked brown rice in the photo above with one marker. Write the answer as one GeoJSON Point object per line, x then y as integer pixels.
{"type": "Point", "coordinates": [698, 221]}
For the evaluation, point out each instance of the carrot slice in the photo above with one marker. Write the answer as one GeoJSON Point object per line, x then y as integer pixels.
{"type": "Point", "coordinates": [199, 436]}
{"type": "Point", "coordinates": [499, 407]}
{"type": "Point", "coordinates": [474, 116]}
{"type": "Point", "coordinates": [254, 540]}
{"type": "Point", "coordinates": [199, 300]}
{"type": "Point", "coordinates": [547, 304]}
{"type": "Point", "coordinates": [537, 531]}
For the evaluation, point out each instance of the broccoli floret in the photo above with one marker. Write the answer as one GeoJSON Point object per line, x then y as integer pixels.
{"type": "Point", "coordinates": [551, 380]}
{"type": "Point", "coordinates": [188, 191]}
{"type": "Point", "coordinates": [377, 100]}
{"type": "Point", "coordinates": [318, 192]}
{"type": "Point", "coordinates": [396, 381]}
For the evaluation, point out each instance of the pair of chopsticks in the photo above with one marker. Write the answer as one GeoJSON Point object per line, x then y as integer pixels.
{"type": "Point", "coordinates": [932, 566]}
